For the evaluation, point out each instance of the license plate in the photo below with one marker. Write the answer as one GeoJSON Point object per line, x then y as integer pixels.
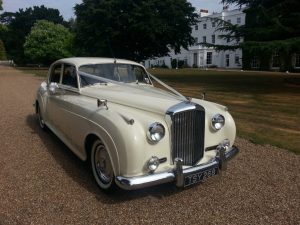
{"type": "Point", "coordinates": [200, 176]}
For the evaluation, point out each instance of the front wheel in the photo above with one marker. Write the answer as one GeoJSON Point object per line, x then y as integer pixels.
{"type": "Point", "coordinates": [102, 166]}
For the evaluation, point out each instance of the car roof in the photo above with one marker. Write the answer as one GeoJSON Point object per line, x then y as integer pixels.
{"type": "Point", "coordinates": [79, 61]}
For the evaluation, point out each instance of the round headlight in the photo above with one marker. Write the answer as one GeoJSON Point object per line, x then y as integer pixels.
{"type": "Point", "coordinates": [153, 163]}
{"type": "Point", "coordinates": [156, 132]}
{"type": "Point", "coordinates": [217, 121]}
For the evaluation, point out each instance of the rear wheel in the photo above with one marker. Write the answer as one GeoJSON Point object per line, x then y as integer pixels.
{"type": "Point", "coordinates": [102, 166]}
{"type": "Point", "coordinates": [40, 119]}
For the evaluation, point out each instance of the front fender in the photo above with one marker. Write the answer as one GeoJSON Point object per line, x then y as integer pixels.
{"type": "Point", "coordinates": [127, 142]}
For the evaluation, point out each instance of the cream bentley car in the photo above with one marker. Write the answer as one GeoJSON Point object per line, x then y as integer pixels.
{"type": "Point", "coordinates": [133, 129]}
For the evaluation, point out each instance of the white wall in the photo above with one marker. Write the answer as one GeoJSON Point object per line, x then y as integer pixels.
{"type": "Point", "coordinates": [218, 58]}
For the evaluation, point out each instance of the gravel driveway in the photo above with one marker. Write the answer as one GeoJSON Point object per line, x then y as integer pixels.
{"type": "Point", "coordinates": [42, 182]}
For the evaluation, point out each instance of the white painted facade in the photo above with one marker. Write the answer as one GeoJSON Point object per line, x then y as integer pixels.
{"type": "Point", "coordinates": [202, 56]}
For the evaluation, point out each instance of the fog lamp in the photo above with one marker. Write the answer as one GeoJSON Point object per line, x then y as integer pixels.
{"type": "Point", "coordinates": [153, 163]}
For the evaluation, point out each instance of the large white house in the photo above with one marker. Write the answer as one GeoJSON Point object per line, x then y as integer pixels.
{"type": "Point", "coordinates": [206, 31]}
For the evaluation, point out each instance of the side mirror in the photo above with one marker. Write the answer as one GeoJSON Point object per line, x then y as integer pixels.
{"type": "Point", "coordinates": [43, 87]}
{"type": "Point", "coordinates": [53, 88]}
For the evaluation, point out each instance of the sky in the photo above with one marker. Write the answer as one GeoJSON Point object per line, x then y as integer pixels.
{"type": "Point", "coordinates": [66, 6]}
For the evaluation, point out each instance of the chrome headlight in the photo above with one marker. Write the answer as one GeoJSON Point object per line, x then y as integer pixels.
{"type": "Point", "coordinates": [156, 132]}
{"type": "Point", "coordinates": [217, 121]}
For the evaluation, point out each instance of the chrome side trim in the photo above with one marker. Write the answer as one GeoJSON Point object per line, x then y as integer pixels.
{"type": "Point", "coordinates": [177, 174]}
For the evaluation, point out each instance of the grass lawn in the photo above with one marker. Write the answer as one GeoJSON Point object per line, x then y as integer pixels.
{"type": "Point", "coordinates": [41, 72]}
{"type": "Point", "coordinates": [265, 105]}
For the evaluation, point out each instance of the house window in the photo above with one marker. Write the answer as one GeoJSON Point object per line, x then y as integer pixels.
{"type": "Point", "coordinates": [275, 60]}
{"type": "Point", "coordinates": [213, 39]}
{"type": "Point", "coordinates": [185, 62]}
{"type": "Point", "coordinates": [297, 60]}
{"type": "Point", "coordinates": [227, 58]}
{"type": "Point", "coordinates": [255, 63]}
{"type": "Point", "coordinates": [196, 41]}
{"type": "Point", "coordinates": [196, 27]}
{"type": "Point", "coordinates": [213, 24]}
{"type": "Point", "coordinates": [238, 20]}
{"type": "Point", "coordinates": [204, 26]}
{"type": "Point", "coordinates": [237, 59]}
{"type": "Point", "coordinates": [229, 21]}
{"type": "Point", "coordinates": [196, 59]}
{"type": "Point", "coordinates": [209, 58]}
{"type": "Point", "coordinates": [204, 39]}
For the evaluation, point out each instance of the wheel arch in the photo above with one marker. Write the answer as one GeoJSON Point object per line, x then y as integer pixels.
{"type": "Point", "coordinates": [108, 143]}
{"type": "Point", "coordinates": [88, 143]}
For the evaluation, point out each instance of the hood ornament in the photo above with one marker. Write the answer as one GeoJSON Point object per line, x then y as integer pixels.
{"type": "Point", "coordinates": [189, 99]}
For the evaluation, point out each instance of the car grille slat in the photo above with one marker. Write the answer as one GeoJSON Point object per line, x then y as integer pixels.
{"type": "Point", "coordinates": [188, 136]}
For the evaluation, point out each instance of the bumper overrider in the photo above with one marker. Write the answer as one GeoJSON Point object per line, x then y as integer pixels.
{"type": "Point", "coordinates": [180, 175]}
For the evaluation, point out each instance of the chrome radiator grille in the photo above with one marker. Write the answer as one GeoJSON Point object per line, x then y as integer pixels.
{"type": "Point", "coordinates": [188, 136]}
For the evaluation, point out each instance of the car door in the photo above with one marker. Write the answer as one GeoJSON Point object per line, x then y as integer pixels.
{"type": "Point", "coordinates": [61, 102]}
{"type": "Point", "coordinates": [51, 105]}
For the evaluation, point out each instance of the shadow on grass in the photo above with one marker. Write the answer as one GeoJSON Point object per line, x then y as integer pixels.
{"type": "Point", "coordinates": [80, 172]}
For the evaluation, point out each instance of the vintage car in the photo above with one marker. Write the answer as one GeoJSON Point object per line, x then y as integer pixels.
{"type": "Point", "coordinates": [134, 130]}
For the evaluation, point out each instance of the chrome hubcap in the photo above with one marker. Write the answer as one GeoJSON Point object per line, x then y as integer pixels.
{"type": "Point", "coordinates": [103, 165]}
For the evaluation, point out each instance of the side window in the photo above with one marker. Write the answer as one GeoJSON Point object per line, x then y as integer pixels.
{"type": "Point", "coordinates": [69, 76]}
{"type": "Point", "coordinates": [140, 75]}
{"type": "Point", "coordinates": [55, 73]}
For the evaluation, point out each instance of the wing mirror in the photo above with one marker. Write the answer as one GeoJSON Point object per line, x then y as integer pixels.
{"type": "Point", "coordinates": [53, 88]}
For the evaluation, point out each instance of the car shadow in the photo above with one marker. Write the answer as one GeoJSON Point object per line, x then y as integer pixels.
{"type": "Point", "coordinates": [80, 172]}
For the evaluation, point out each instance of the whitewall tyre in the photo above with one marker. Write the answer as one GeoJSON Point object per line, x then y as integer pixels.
{"type": "Point", "coordinates": [102, 167]}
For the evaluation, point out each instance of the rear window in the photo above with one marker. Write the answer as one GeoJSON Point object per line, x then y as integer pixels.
{"type": "Point", "coordinates": [55, 73]}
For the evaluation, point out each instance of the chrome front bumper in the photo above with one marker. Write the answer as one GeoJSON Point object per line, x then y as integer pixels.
{"type": "Point", "coordinates": [178, 174]}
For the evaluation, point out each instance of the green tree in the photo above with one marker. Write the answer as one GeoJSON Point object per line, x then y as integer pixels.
{"type": "Point", "coordinates": [134, 29]}
{"type": "Point", "coordinates": [272, 26]}
{"type": "Point", "coordinates": [1, 5]}
{"type": "Point", "coordinates": [3, 32]}
{"type": "Point", "coordinates": [19, 25]}
{"type": "Point", "coordinates": [2, 51]}
{"type": "Point", "coordinates": [48, 42]}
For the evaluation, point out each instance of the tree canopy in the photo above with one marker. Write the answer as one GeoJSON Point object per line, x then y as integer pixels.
{"type": "Point", "coordinates": [48, 42]}
{"type": "Point", "coordinates": [1, 5]}
{"type": "Point", "coordinates": [271, 26]}
{"type": "Point", "coordinates": [19, 25]}
{"type": "Point", "coordinates": [2, 51]}
{"type": "Point", "coordinates": [134, 29]}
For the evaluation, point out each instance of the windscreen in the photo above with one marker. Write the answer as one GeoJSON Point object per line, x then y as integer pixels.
{"type": "Point", "coordinates": [125, 73]}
